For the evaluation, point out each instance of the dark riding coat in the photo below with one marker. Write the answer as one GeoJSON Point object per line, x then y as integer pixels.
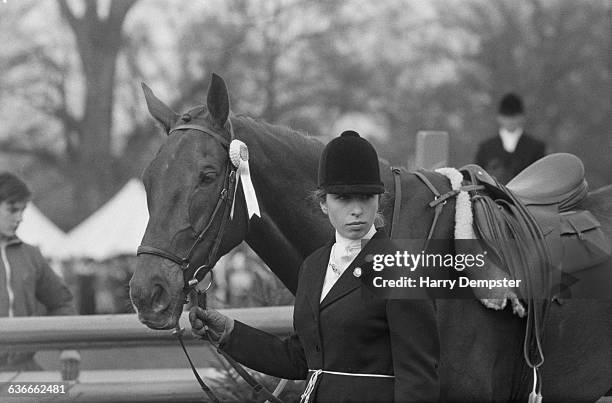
{"type": "Point", "coordinates": [351, 331]}
{"type": "Point", "coordinates": [503, 165]}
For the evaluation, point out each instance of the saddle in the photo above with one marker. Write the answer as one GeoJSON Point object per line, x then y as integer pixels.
{"type": "Point", "coordinates": [529, 226]}
{"type": "Point", "coordinates": [551, 190]}
{"type": "Point", "coordinates": [557, 179]}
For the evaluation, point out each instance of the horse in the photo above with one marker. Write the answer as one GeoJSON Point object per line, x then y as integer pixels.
{"type": "Point", "coordinates": [481, 349]}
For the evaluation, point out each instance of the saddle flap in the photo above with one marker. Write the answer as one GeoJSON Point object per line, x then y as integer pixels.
{"type": "Point", "coordinates": [583, 242]}
{"type": "Point", "coordinates": [573, 222]}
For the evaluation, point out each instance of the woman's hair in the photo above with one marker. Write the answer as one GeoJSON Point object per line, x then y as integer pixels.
{"type": "Point", "coordinates": [13, 189]}
{"type": "Point", "coordinates": [318, 197]}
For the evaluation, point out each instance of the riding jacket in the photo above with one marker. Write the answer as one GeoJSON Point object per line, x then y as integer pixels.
{"type": "Point", "coordinates": [357, 346]}
{"type": "Point", "coordinates": [504, 165]}
{"type": "Point", "coordinates": [29, 287]}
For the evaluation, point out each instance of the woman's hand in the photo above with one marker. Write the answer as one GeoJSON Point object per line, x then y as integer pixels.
{"type": "Point", "coordinates": [210, 324]}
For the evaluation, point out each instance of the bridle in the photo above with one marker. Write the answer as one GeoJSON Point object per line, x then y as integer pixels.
{"type": "Point", "coordinates": [194, 275]}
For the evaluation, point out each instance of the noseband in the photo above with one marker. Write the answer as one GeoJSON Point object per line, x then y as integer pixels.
{"type": "Point", "coordinates": [193, 275]}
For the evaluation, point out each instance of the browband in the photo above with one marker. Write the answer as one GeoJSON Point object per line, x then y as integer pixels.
{"type": "Point", "coordinates": [222, 140]}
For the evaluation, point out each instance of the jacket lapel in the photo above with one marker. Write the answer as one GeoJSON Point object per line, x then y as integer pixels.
{"type": "Point", "coordinates": [314, 277]}
{"type": "Point", "coordinates": [347, 281]}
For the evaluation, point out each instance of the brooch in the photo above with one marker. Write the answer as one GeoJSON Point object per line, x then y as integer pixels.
{"type": "Point", "coordinates": [335, 269]}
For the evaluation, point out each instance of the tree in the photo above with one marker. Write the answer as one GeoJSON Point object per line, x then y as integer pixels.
{"type": "Point", "coordinates": [260, 48]}
{"type": "Point", "coordinates": [554, 52]}
{"type": "Point", "coordinates": [85, 131]}
{"type": "Point", "coordinates": [88, 138]}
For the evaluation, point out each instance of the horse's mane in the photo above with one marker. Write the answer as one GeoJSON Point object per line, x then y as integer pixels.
{"type": "Point", "coordinates": [297, 139]}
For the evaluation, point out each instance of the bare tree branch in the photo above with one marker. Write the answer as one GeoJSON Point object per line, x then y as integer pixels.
{"type": "Point", "coordinates": [118, 11]}
{"type": "Point", "coordinates": [41, 154]}
{"type": "Point", "coordinates": [68, 14]}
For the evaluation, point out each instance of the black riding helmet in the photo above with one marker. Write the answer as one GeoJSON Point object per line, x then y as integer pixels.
{"type": "Point", "coordinates": [349, 164]}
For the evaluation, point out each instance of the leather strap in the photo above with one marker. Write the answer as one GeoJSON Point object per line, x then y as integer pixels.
{"type": "Point", "coordinates": [440, 200]}
{"type": "Point", "coordinates": [537, 307]}
{"type": "Point", "coordinates": [152, 250]}
{"type": "Point", "coordinates": [421, 175]}
{"type": "Point", "coordinates": [202, 129]}
{"type": "Point", "coordinates": [512, 232]}
{"type": "Point", "coordinates": [178, 332]}
{"type": "Point", "coordinates": [199, 299]}
{"type": "Point", "coordinates": [397, 203]}
{"type": "Point", "coordinates": [258, 388]}
{"type": "Point", "coordinates": [437, 204]}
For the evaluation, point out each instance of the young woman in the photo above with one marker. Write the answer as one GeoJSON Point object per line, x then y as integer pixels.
{"type": "Point", "coordinates": [351, 345]}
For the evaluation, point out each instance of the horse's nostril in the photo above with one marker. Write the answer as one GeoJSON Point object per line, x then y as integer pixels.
{"type": "Point", "coordinates": [159, 298]}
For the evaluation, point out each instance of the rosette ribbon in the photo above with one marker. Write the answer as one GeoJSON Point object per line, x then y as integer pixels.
{"type": "Point", "coordinates": [239, 155]}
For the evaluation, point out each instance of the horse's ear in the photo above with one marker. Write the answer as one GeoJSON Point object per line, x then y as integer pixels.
{"type": "Point", "coordinates": [159, 110]}
{"type": "Point", "coordinates": [217, 101]}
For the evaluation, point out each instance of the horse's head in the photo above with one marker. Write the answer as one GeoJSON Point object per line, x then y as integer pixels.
{"type": "Point", "coordinates": [190, 187]}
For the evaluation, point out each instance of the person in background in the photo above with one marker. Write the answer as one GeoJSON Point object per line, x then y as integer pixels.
{"type": "Point", "coordinates": [350, 346]}
{"type": "Point", "coordinates": [27, 281]}
{"type": "Point", "coordinates": [512, 149]}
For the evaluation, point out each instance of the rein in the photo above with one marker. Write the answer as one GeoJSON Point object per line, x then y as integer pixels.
{"type": "Point", "coordinates": [193, 276]}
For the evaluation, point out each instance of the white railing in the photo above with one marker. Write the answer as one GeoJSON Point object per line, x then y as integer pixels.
{"type": "Point", "coordinates": [103, 331]}
{"type": "Point", "coordinates": [118, 331]}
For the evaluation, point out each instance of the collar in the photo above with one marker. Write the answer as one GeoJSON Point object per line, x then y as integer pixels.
{"type": "Point", "coordinates": [346, 242]}
{"type": "Point", "coordinates": [510, 139]}
{"type": "Point", "coordinates": [10, 241]}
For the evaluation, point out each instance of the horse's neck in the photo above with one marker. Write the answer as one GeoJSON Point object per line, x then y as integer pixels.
{"type": "Point", "coordinates": [283, 169]}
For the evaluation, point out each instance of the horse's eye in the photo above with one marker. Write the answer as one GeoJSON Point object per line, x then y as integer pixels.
{"type": "Point", "coordinates": [207, 177]}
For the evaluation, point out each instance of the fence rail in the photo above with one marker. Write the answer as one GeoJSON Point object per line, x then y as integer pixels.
{"type": "Point", "coordinates": [122, 385]}
{"type": "Point", "coordinates": [104, 331]}
{"type": "Point", "coordinates": [114, 331]}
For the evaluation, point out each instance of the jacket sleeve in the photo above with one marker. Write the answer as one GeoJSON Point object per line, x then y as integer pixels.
{"type": "Point", "coordinates": [51, 290]}
{"type": "Point", "coordinates": [264, 352]}
{"type": "Point", "coordinates": [416, 349]}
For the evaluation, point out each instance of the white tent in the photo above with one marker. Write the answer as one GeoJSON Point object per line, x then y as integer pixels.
{"type": "Point", "coordinates": [38, 230]}
{"type": "Point", "coordinates": [114, 229]}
